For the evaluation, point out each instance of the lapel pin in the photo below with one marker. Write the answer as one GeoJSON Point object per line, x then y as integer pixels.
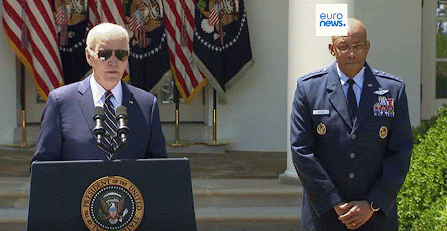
{"type": "Point", "coordinates": [370, 85]}
{"type": "Point", "coordinates": [131, 101]}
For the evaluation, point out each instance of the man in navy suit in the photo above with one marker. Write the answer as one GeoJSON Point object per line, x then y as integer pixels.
{"type": "Point", "coordinates": [67, 121]}
{"type": "Point", "coordinates": [351, 141]}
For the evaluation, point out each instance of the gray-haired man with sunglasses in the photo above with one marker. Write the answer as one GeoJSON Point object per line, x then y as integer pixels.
{"type": "Point", "coordinates": [67, 124]}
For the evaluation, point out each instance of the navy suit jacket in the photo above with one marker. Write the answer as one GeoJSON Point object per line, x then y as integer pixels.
{"type": "Point", "coordinates": [67, 124]}
{"type": "Point", "coordinates": [338, 160]}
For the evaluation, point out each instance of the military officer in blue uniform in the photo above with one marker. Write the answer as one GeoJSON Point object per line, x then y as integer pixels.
{"type": "Point", "coordinates": [351, 140]}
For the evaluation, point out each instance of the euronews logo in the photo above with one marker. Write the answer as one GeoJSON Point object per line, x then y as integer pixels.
{"type": "Point", "coordinates": [331, 19]}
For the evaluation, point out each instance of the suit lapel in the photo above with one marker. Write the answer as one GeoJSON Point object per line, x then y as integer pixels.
{"type": "Point", "coordinates": [85, 100]}
{"type": "Point", "coordinates": [130, 103]}
{"type": "Point", "coordinates": [128, 99]}
{"type": "Point", "coordinates": [336, 95]}
{"type": "Point", "coordinates": [367, 98]}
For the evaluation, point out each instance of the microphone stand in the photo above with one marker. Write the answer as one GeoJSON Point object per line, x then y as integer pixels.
{"type": "Point", "coordinates": [121, 131]}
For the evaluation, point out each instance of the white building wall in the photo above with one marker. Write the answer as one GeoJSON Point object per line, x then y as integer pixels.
{"type": "Point", "coordinates": [255, 117]}
{"type": "Point", "coordinates": [8, 99]}
{"type": "Point", "coordinates": [394, 30]}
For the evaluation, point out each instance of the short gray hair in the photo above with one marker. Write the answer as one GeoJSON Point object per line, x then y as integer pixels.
{"type": "Point", "coordinates": [99, 33]}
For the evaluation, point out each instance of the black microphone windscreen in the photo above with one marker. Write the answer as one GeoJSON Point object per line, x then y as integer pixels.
{"type": "Point", "coordinates": [98, 111]}
{"type": "Point", "coordinates": [121, 111]}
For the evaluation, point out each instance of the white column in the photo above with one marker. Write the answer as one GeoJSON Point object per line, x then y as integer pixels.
{"type": "Point", "coordinates": [307, 53]}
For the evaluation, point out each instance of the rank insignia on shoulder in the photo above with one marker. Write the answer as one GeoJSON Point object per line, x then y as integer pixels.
{"type": "Point", "coordinates": [384, 107]}
{"type": "Point", "coordinates": [381, 91]}
{"type": "Point", "coordinates": [321, 129]}
{"type": "Point", "coordinates": [383, 132]}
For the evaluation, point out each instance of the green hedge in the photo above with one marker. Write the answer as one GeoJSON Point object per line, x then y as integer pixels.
{"type": "Point", "coordinates": [422, 199]}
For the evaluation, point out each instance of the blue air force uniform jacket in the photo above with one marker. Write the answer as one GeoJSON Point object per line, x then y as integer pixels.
{"type": "Point", "coordinates": [341, 161]}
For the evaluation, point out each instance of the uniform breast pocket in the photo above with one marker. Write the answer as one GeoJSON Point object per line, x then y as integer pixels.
{"type": "Point", "coordinates": [379, 125]}
{"type": "Point", "coordinates": [321, 123]}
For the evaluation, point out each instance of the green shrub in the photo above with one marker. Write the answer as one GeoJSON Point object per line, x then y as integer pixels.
{"type": "Point", "coordinates": [420, 130]}
{"type": "Point", "coordinates": [425, 186]}
{"type": "Point", "coordinates": [434, 218]}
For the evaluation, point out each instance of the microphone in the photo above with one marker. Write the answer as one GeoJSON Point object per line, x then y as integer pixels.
{"type": "Point", "coordinates": [122, 130]}
{"type": "Point", "coordinates": [98, 117]}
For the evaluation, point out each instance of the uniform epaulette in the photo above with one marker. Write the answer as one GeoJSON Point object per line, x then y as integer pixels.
{"type": "Point", "coordinates": [316, 73]}
{"type": "Point", "coordinates": [386, 75]}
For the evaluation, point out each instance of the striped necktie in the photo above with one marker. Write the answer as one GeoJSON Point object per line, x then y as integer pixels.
{"type": "Point", "coordinates": [110, 120]}
{"type": "Point", "coordinates": [352, 102]}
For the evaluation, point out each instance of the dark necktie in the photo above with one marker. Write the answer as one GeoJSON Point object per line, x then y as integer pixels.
{"type": "Point", "coordinates": [110, 120]}
{"type": "Point", "coordinates": [352, 102]}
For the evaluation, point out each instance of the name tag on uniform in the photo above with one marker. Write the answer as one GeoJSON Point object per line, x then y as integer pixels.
{"type": "Point", "coordinates": [320, 112]}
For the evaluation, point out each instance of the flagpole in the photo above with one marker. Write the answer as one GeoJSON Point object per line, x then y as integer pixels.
{"type": "Point", "coordinates": [23, 144]}
{"type": "Point", "coordinates": [177, 142]}
{"type": "Point", "coordinates": [214, 142]}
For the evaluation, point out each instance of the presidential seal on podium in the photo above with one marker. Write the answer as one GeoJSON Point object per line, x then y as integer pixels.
{"type": "Point", "coordinates": [112, 203]}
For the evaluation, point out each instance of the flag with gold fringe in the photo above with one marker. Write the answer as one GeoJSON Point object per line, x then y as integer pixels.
{"type": "Point", "coordinates": [221, 42]}
{"type": "Point", "coordinates": [149, 57]}
{"type": "Point", "coordinates": [180, 28]}
{"type": "Point", "coordinates": [30, 29]}
{"type": "Point", "coordinates": [72, 24]}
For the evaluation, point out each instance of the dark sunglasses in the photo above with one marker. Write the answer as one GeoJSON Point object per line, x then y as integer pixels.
{"type": "Point", "coordinates": [120, 54]}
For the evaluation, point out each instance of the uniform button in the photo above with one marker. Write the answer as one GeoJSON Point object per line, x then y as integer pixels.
{"type": "Point", "coordinates": [351, 175]}
{"type": "Point", "coordinates": [353, 136]}
{"type": "Point", "coordinates": [352, 155]}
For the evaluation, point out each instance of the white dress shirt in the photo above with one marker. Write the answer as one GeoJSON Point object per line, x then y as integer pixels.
{"type": "Point", "coordinates": [98, 93]}
{"type": "Point", "coordinates": [357, 87]}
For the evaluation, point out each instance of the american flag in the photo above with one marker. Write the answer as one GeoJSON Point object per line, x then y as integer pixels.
{"type": "Point", "coordinates": [180, 18]}
{"type": "Point", "coordinates": [61, 20]}
{"type": "Point", "coordinates": [112, 11]}
{"type": "Point", "coordinates": [134, 23]}
{"type": "Point", "coordinates": [106, 11]}
{"type": "Point", "coordinates": [93, 13]}
{"type": "Point", "coordinates": [214, 17]}
{"type": "Point", "coordinates": [41, 56]}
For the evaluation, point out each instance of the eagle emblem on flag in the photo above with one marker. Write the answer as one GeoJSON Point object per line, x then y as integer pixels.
{"type": "Point", "coordinates": [71, 18]}
{"type": "Point", "coordinates": [145, 16]}
{"type": "Point", "coordinates": [149, 58]}
{"type": "Point", "coordinates": [221, 42]}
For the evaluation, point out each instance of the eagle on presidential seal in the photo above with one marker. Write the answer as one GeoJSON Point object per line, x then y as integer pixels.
{"type": "Point", "coordinates": [112, 206]}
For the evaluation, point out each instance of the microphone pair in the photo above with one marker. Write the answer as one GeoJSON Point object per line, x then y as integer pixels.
{"type": "Point", "coordinates": [122, 130]}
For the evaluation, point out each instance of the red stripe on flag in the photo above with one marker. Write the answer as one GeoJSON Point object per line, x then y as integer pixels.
{"type": "Point", "coordinates": [180, 19]}
{"type": "Point", "coordinates": [42, 56]}
{"type": "Point", "coordinates": [110, 8]}
{"type": "Point", "coordinates": [17, 45]}
{"type": "Point", "coordinates": [93, 13]}
{"type": "Point", "coordinates": [180, 80]}
{"type": "Point", "coordinates": [48, 45]}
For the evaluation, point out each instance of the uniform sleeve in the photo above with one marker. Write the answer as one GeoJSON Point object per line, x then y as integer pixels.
{"type": "Point", "coordinates": [49, 142]}
{"type": "Point", "coordinates": [397, 158]}
{"type": "Point", "coordinates": [322, 193]}
{"type": "Point", "coordinates": [157, 145]}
